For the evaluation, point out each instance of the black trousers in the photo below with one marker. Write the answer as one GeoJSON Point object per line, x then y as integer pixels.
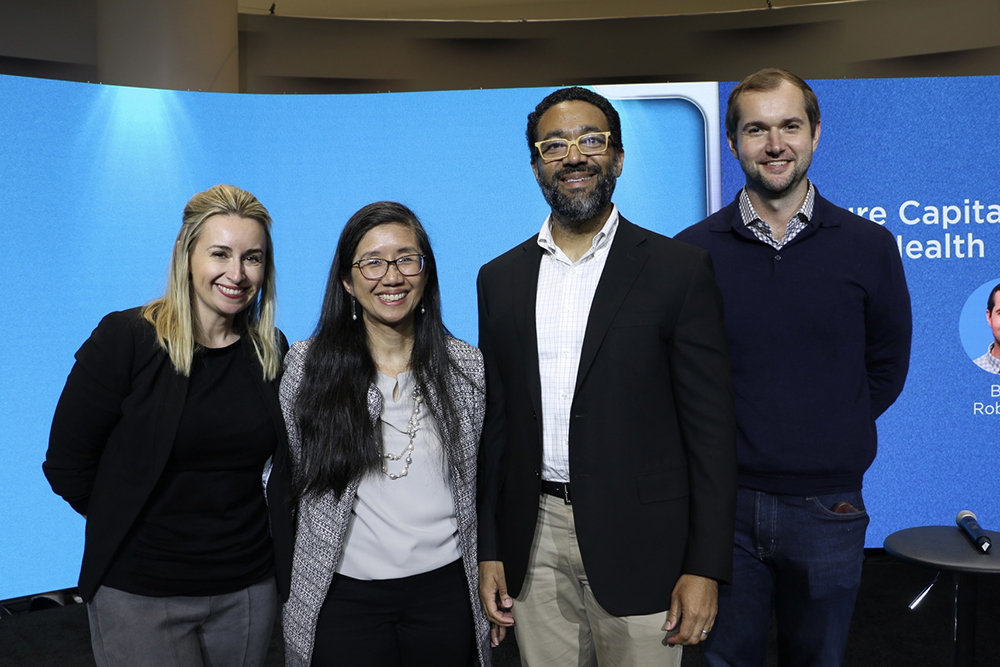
{"type": "Point", "coordinates": [425, 619]}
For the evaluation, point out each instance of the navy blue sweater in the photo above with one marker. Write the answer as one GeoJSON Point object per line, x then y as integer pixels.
{"type": "Point", "coordinates": [819, 334]}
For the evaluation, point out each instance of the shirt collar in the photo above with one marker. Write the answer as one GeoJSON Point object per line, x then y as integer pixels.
{"type": "Point", "coordinates": [993, 362]}
{"type": "Point", "coordinates": [601, 239]}
{"type": "Point", "coordinates": [749, 215]}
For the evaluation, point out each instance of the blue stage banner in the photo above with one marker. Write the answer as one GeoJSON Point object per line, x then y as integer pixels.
{"type": "Point", "coordinates": [921, 158]}
{"type": "Point", "coordinates": [95, 179]}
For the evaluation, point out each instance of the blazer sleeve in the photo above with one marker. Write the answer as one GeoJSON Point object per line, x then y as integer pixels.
{"type": "Point", "coordinates": [291, 378]}
{"type": "Point", "coordinates": [282, 341]}
{"type": "Point", "coordinates": [703, 389]}
{"type": "Point", "coordinates": [470, 383]}
{"type": "Point", "coordinates": [281, 455]}
{"type": "Point", "coordinates": [491, 444]}
{"type": "Point", "coordinates": [478, 374]}
{"type": "Point", "coordinates": [89, 409]}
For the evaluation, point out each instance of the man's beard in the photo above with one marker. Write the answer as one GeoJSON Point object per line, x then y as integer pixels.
{"type": "Point", "coordinates": [573, 211]}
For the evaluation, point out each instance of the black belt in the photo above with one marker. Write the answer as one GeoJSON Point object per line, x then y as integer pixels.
{"type": "Point", "coordinates": [559, 490]}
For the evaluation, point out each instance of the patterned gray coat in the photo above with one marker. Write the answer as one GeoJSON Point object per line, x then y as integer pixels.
{"type": "Point", "coordinates": [322, 519]}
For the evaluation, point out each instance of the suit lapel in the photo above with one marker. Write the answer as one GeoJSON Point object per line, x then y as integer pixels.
{"type": "Point", "coordinates": [524, 294]}
{"type": "Point", "coordinates": [625, 260]}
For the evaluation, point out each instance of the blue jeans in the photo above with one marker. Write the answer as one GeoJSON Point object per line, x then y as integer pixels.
{"type": "Point", "coordinates": [796, 556]}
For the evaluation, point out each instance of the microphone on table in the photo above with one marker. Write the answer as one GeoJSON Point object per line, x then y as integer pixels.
{"type": "Point", "coordinates": [966, 520]}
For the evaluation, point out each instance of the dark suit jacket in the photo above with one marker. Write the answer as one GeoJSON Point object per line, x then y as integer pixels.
{"type": "Point", "coordinates": [652, 433]}
{"type": "Point", "coordinates": [113, 431]}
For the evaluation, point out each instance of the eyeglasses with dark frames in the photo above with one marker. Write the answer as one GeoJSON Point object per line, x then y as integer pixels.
{"type": "Point", "coordinates": [375, 268]}
{"type": "Point", "coordinates": [592, 143]}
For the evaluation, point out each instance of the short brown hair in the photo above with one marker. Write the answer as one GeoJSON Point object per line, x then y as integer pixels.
{"type": "Point", "coordinates": [769, 78]}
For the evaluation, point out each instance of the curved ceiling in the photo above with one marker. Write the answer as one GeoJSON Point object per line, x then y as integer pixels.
{"type": "Point", "coordinates": [507, 10]}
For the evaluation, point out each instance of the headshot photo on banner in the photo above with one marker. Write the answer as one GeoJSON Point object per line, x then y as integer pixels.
{"type": "Point", "coordinates": [95, 178]}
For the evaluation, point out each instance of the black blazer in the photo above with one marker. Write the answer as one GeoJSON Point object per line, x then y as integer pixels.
{"type": "Point", "coordinates": [652, 433]}
{"type": "Point", "coordinates": [113, 431]}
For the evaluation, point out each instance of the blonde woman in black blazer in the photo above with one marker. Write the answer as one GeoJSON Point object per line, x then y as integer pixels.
{"type": "Point", "coordinates": [165, 438]}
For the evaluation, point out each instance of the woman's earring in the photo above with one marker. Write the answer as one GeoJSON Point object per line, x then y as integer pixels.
{"type": "Point", "coordinates": [354, 309]}
{"type": "Point", "coordinates": [422, 311]}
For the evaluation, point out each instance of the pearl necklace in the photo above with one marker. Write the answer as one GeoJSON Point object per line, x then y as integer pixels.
{"type": "Point", "coordinates": [407, 454]}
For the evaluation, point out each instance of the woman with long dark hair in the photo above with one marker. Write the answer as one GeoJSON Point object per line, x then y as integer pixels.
{"type": "Point", "coordinates": [169, 439]}
{"type": "Point", "coordinates": [384, 411]}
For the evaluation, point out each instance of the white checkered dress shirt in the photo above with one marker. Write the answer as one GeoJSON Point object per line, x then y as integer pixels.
{"type": "Point", "coordinates": [988, 362]}
{"type": "Point", "coordinates": [762, 230]}
{"type": "Point", "coordinates": [565, 293]}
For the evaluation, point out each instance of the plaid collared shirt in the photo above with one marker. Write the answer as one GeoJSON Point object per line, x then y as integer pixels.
{"type": "Point", "coordinates": [988, 362]}
{"type": "Point", "coordinates": [565, 293]}
{"type": "Point", "coordinates": [762, 230]}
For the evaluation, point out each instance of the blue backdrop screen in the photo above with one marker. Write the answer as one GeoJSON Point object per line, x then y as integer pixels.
{"type": "Point", "coordinates": [95, 178]}
{"type": "Point", "coordinates": [920, 156]}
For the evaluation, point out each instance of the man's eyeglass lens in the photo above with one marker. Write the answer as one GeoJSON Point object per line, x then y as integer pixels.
{"type": "Point", "coordinates": [594, 143]}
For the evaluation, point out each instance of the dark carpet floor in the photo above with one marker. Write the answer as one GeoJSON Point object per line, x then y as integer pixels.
{"type": "Point", "coordinates": [884, 632]}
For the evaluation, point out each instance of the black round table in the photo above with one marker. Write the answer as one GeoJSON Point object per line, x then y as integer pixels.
{"type": "Point", "coordinates": [947, 549]}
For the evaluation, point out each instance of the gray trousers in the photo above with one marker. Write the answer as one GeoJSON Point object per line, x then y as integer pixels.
{"type": "Point", "coordinates": [231, 630]}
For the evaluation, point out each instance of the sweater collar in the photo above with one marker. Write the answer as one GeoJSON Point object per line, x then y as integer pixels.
{"type": "Point", "coordinates": [734, 221]}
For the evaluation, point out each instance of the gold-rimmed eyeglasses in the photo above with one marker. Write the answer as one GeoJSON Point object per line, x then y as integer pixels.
{"type": "Point", "coordinates": [592, 143]}
{"type": "Point", "coordinates": [375, 268]}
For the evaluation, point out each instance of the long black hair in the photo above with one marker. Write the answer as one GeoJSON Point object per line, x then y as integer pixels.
{"type": "Point", "coordinates": [340, 442]}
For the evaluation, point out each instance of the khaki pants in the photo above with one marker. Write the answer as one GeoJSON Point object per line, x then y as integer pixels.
{"type": "Point", "coordinates": [559, 622]}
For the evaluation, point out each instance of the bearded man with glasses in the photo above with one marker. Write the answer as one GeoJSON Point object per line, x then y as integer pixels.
{"type": "Point", "coordinates": [607, 464]}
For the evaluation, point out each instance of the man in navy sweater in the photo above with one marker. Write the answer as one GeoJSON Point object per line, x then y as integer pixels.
{"type": "Point", "coordinates": [818, 321]}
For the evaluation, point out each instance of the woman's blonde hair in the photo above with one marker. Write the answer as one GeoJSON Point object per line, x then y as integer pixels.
{"type": "Point", "coordinates": [172, 315]}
